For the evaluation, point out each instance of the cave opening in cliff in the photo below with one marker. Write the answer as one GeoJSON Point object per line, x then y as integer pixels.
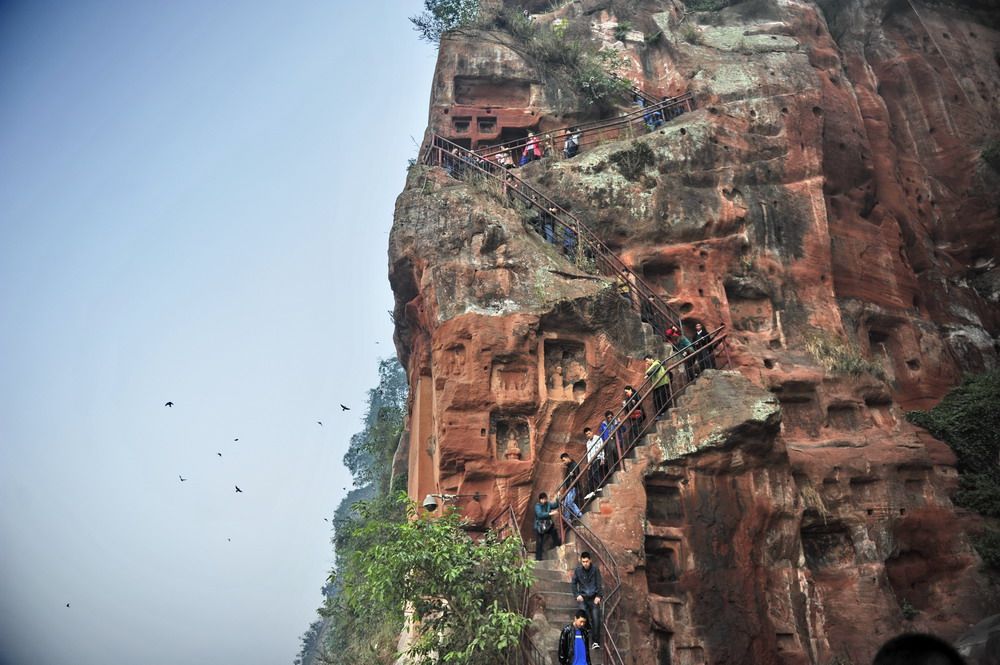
{"type": "Point", "coordinates": [663, 503]}
{"type": "Point", "coordinates": [661, 273]}
{"type": "Point", "coordinates": [827, 544]}
{"type": "Point", "coordinates": [661, 565]}
{"type": "Point", "coordinates": [662, 640]}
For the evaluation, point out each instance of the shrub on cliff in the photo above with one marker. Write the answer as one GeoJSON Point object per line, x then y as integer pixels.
{"type": "Point", "coordinates": [968, 420]}
{"type": "Point", "coordinates": [991, 154]}
{"type": "Point", "coordinates": [837, 356]}
{"type": "Point", "coordinates": [460, 597]}
{"type": "Point", "coordinates": [440, 16]}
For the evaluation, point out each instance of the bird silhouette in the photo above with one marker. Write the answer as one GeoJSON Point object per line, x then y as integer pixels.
{"type": "Point", "coordinates": [325, 519]}
{"type": "Point", "coordinates": [183, 479]}
{"type": "Point", "coordinates": [170, 404]}
{"type": "Point", "coordinates": [237, 488]}
{"type": "Point", "coordinates": [229, 540]}
{"type": "Point", "coordinates": [67, 604]}
{"type": "Point", "coordinates": [236, 439]}
{"type": "Point", "coordinates": [344, 408]}
{"type": "Point", "coordinates": [219, 454]}
{"type": "Point", "coordinates": [319, 422]}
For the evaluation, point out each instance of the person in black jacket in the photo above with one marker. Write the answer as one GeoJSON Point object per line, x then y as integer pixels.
{"type": "Point", "coordinates": [573, 641]}
{"type": "Point", "coordinates": [588, 591]}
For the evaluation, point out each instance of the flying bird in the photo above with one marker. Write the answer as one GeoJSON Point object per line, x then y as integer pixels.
{"type": "Point", "coordinates": [325, 519]}
{"type": "Point", "coordinates": [183, 479]}
{"type": "Point", "coordinates": [237, 488]}
{"type": "Point", "coordinates": [219, 454]}
{"type": "Point", "coordinates": [236, 439]}
{"type": "Point", "coordinates": [67, 604]}
{"type": "Point", "coordinates": [170, 404]}
{"type": "Point", "coordinates": [229, 540]}
{"type": "Point", "coordinates": [344, 408]}
{"type": "Point", "coordinates": [319, 422]}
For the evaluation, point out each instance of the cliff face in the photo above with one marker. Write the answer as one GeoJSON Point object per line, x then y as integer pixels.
{"type": "Point", "coordinates": [827, 192]}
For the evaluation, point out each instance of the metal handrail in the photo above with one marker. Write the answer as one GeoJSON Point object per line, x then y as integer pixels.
{"type": "Point", "coordinates": [596, 131]}
{"type": "Point", "coordinates": [557, 226]}
{"type": "Point", "coordinates": [715, 345]}
{"type": "Point", "coordinates": [624, 442]}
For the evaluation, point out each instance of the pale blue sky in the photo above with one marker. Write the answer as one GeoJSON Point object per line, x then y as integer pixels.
{"type": "Point", "coordinates": [194, 206]}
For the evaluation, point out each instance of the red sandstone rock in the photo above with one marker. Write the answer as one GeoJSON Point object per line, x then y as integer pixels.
{"type": "Point", "coordinates": [829, 186]}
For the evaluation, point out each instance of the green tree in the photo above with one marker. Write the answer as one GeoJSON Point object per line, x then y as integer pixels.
{"type": "Point", "coordinates": [460, 596]}
{"type": "Point", "coordinates": [440, 16]}
{"type": "Point", "coordinates": [968, 420]}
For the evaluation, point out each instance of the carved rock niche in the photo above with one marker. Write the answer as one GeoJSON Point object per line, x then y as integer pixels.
{"type": "Point", "coordinates": [565, 370]}
{"type": "Point", "coordinates": [512, 381]}
{"type": "Point", "coordinates": [453, 360]}
{"type": "Point", "coordinates": [511, 436]}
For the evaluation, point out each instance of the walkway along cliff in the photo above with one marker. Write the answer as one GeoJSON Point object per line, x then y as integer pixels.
{"type": "Point", "coordinates": [812, 193]}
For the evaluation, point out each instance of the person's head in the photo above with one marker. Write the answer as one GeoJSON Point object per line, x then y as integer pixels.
{"type": "Point", "coordinates": [579, 619]}
{"type": "Point", "coordinates": [697, 327]}
{"type": "Point", "coordinates": [587, 432]}
{"type": "Point", "coordinates": [917, 649]}
{"type": "Point", "coordinates": [585, 560]}
{"type": "Point", "coordinates": [543, 497]}
{"type": "Point", "coordinates": [564, 457]}
{"type": "Point", "coordinates": [647, 357]}
{"type": "Point", "coordinates": [629, 390]}
{"type": "Point", "coordinates": [608, 416]}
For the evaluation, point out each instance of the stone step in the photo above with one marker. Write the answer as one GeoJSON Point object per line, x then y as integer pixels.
{"type": "Point", "coordinates": [550, 575]}
{"type": "Point", "coordinates": [551, 586]}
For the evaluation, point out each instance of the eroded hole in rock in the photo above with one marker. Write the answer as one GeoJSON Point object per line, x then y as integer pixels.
{"type": "Point", "coordinates": [661, 565]}
{"type": "Point", "coordinates": [913, 364]}
{"type": "Point", "coordinates": [685, 308]}
{"type": "Point", "coordinates": [827, 545]}
{"type": "Point", "coordinates": [662, 643]}
{"type": "Point", "coordinates": [842, 416]}
{"type": "Point", "coordinates": [769, 363]}
{"type": "Point", "coordinates": [488, 91]}
{"type": "Point", "coordinates": [565, 369]}
{"type": "Point", "coordinates": [663, 502]}
{"type": "Point", "coordinates": [689, 655]}
{"type": "Point", "coordinates": [817, 111]}
{"type": "Point", "coordinates": [750, 308]}
{"type": "Point", "coordinates": [661, 273]}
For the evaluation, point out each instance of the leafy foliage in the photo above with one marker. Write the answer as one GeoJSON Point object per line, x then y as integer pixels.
{"type": "Point", "coordinates": [440, 16]}
{"type": "Point", "coordinates": [837, 356]}
{"type": "Point", "coordinates": [575, 71]}
{"type": "Point", "coordinates": [706, 5]}
{"type": "Point", "coordinates": [991, 154]}
{"type": "Point", "coordinates": [633, 161]}
{"type": "Point", "coordinates": [969, 421]}
{"type": "Point", "coordinates": [339, 636]}
{"type": "Point", "coordinates": [459, 596]}
{"type": "Point", "coordinates": [369, 455]}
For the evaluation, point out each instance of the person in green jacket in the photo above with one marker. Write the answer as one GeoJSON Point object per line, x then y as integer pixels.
{"type": "Point", "coordinates": [660, 378]}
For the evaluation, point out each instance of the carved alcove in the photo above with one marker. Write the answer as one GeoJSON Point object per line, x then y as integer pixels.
{"type": "Point", "coordinates": [512, 381]}
{"type": "Point", "coordinates": [453, 359]}
{"type": "Point", "coordinates": [511, 436]}
{"type": "Point", "coordinates": [566, 370]}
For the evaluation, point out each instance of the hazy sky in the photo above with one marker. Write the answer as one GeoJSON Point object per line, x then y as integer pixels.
{"type": "Point", "coordinates": [195, 198]}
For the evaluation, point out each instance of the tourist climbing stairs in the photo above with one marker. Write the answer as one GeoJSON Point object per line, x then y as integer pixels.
{"type": "Point", "coordinates": [551, 595]}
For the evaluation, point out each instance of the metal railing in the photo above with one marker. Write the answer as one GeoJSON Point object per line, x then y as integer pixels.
{"type": "Point", "coordinates": [506, 526]}
{"type": "Point", "coordinates": [631, 422]}
{"type": "Point", "coordinates": [556, 226]}
{"type": "Point", "coordinates": [649, 116]}
{"type": "Point", "coordinates": [623, 435]}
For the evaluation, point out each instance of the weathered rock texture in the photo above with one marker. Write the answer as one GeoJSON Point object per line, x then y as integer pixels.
{"type": "Point", "coordinates": [828, 191]}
